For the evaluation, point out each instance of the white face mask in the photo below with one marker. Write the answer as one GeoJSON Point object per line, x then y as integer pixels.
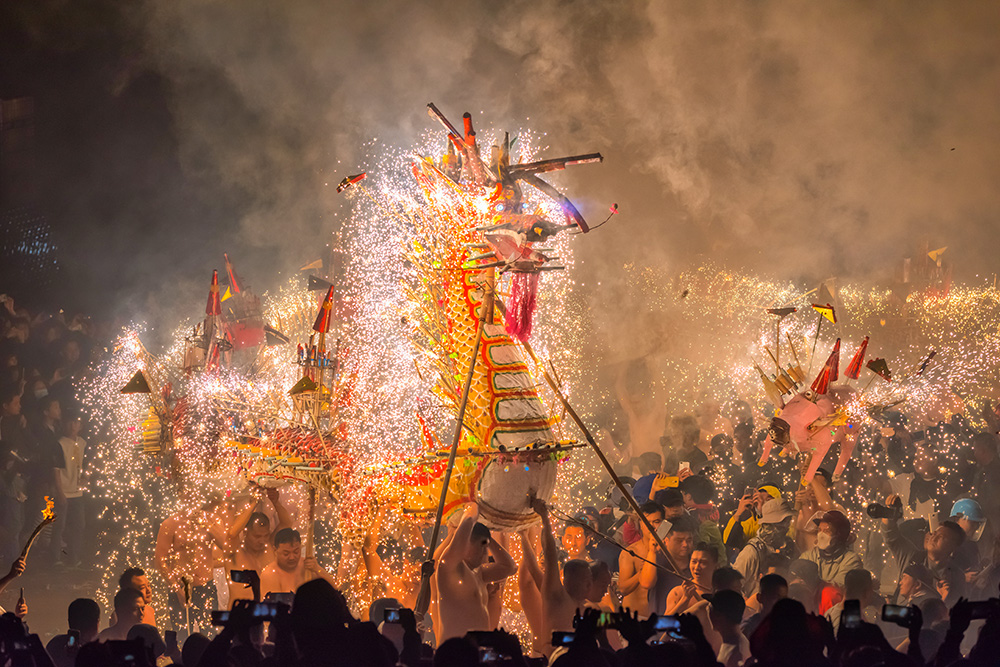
{"type": "Point", "coordinates": [823, 541]}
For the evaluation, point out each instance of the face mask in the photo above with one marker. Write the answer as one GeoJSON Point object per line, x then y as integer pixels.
{"type": "Point", "coordinates": [41, 393]}
{"type": "Point", "coordinates": [772, 536]}
{"type": "Point", "coordinates": [823, 541]}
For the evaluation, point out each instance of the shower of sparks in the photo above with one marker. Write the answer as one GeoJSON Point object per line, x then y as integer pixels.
{"type": "Point", "coordinates": [704, 330]}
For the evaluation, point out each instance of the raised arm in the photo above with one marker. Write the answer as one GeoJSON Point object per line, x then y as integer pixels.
{"type": "Point", "coordinates": [551, 580]}
{"type": "Point", "coordinates": [648, 573]}
{"type": "Point", "coordinates": [502, 566]}
{"type": "Point", "coordinates": [529, 559]}
{"type": "Point", "coordinates": [454, 553]}
{"type": "Point", "coordinates": [164, 540]}
{"type": "Point", "coordinates": [284, 517]}
{"type": "Point", "coordinates": [239, 523]}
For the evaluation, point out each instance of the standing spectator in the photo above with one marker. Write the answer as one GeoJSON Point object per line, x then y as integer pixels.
{"type": "Point", "coordinates": [936, 555]}
{"type": "Point", "coordinates": [916, 585]}
{"type": "Point", "coordinates": [128, 612]}
{"type": "Point", "coordinates": [72, 527]}
{"type": "Point", "coordinates": [704, 561]}
{"type": "Point", "coordinates": [773, 587]}
{"type": "Point", "coordinates": [969, 516]}
{"type": "Point", "coordinates": [635, 596]}
{"type": "Point", "coordinates": [698, 492]}
{"type": "Point", "coordinates": [772, 537]}
{"type": "Point", "coordinates": [660, 576]}
{"type": "Point", "coordinates": [832, 552]}
{"type": "Point", "coordinates": [986, 478]}
{"type": "Point", "coordinates": [46, 463]}
{"type": "Point", "coordinates": [726, 612]}
{"type": "Point", "coordinates": [85, 618]}
{"type": "Point", "coordinates": [858, 585]}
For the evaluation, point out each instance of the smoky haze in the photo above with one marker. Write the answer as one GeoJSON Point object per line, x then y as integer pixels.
{"type": "Point", "coordinates": [798, 140]}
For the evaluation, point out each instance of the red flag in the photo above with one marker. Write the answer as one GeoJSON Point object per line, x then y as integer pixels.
{"type": "Point", "coordinates": [214, 305]}
{"type": "Point", "coordinates": [232, 274]}
{"type": "Point", "coordinates": [830, 371]}
{"type": "Point", "coordinates": [854, 368]}
{"type": "Point", "coordinates": [323, 318]}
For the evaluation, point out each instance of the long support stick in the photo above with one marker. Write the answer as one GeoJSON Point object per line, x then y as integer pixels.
{"type": "Point", "coordinates": [600, 455]}
{"type": "Point", "coordinates": [423, 597]}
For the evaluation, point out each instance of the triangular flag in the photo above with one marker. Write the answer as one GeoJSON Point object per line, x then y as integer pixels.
{"type": "Point", "coordinates": [316, 284]}
{"type": "Point", "coordinates": [137, 385]}
{"type": "Point", "coordinates": [227, 294]}
{"type": "Point", "coordinates": [826, 311]}
{"type": "Point", "coordinates": [322, 324]}
{"type": "Point", "coordinates": [781, 312]}
{"type": "Point", "coordinates": [214, 305]}
{"type": "Point", "coordinates": [854, 368]}
{"type": "Point", "coordinates": [935, 255]}
{"type": "Point", "coordinates": [313, 266]}
{"type": "Point", "coordinates": [302, 386]}
{"type": "Point", "coordinates": [232, 274]}
{"type": "Point", "coordinates": [830, 371]}
{"type": "Point", "coordinates": [880, 368]}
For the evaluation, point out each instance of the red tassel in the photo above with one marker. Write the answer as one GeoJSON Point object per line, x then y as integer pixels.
{"type": "Point", "coordinates": [521, 305]}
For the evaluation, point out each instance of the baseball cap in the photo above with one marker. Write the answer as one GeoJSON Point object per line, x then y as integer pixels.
{"type": "Point", "coordinates": [841, 524]}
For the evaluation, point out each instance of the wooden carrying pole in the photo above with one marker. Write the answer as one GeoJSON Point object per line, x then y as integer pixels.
{"type": "Point", "coordinates": [424, 596]}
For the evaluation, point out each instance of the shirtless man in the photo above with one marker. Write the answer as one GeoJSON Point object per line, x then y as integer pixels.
{"type": "Point", "coordinates": [184, 557]}
{"type": "Point", "coordinates": [635, 596]}
{"type": "Point", "coordinates": [561, 597]}
{"type": "Point", "coordinates": [289, 569]}
{"type": "Point", "coordinates": [704, 560]}
{"type": "Point", "coordinates": [255, 552]}
{"type": "Point", "coordinates": [459, 585]}
{"type": "Point", "coordinates": [645, 413]}
{"type": "Point", "coordinates": [574, 542]}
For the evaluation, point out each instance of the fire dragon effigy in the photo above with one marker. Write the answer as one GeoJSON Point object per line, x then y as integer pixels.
{"type": "Point", "coordinates": [472, 232]}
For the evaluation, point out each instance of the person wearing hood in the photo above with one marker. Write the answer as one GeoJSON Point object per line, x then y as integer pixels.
{"type": "Point", "coordinates": [772, 537]}
{"type": "Point", "coordinates": [832, 552]}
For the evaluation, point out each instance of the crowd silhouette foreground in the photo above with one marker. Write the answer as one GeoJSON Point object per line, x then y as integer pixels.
{"type": "Point", "coordinates": [318, 630]}
{"type": "Point", "coordinates": [896, 562]}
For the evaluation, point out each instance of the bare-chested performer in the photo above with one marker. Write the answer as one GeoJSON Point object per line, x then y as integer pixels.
{"type": "Point", "coordinates": [459, 584]}
{"type": "Point", "coordinates": [254, 552]}
{"type": "Point", "coordinates": [561, 597]}
{"type": "Point", "coordinates": [646, 414]}
{"type": "Point", "coordinates": [184, 557]}
{"type": "Point", "coordinates": [635, 596]}
{"type": "Point", "coordinates": [289, 569]}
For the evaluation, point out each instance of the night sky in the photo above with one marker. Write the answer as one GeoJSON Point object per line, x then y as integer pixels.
{"type": "Point", "coordinates": [800, 140]}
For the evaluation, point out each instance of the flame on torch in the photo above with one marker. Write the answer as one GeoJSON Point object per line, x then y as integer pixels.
{"type": "Point", "coordinates": [47, 513]}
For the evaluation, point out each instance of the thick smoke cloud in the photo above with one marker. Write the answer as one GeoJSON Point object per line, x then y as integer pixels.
{"type": "Point", "coordinates": [797, 140]}
{"type": "Point", "coordinates": [807, 140]}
